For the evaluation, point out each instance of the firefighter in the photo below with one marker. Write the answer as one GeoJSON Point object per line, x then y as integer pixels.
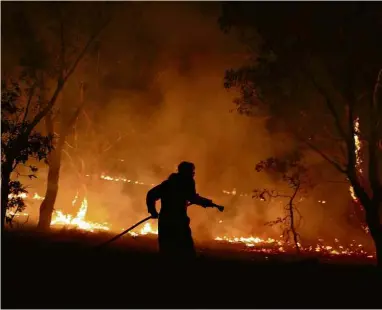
{"type": "Point", "coordinates": [176, 194]}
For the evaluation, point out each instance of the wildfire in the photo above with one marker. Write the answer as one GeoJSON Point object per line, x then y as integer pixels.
{"type": "Point", "coordinates": [272, 245]}
{"type": "Point", "coordinates": [67, 220]}
{"type": "Point", "coordinates": [252, 243]}
{"type": "Point", "coordinates": [279, 246]}
{"type": "Point", "coordinates": [145, 230]}
{"type": "Point", "coordinates": [60, 219]}
{"type": "Point", "coordinates": [358, 156]}
{"type": "Point", "coordinates": [38, 197]}
{"type": "Point", "coordinates": [109, 178]}
{"type": "Point", "coordinates": [358, 150]}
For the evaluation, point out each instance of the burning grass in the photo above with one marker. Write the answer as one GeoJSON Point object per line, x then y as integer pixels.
{"type": "Point", "coordinates": [251, 244]}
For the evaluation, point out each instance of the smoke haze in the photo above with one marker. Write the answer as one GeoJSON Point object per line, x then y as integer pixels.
{"type": "Point", "coordinates": [156, 95]}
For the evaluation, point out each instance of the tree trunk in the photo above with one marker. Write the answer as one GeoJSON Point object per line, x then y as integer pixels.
{"type": "Point", "coordinates": [374, 223]}
{"type": "Point", "coordinates": [47, 206]}
{"type": "Point", "coordinates": [292, 227]}
{"type": "Point", "coordinates": [6, 171]}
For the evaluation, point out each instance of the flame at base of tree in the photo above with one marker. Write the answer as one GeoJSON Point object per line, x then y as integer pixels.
{"type": "Point", "coordinates": [67, 220]}
{"type": "Point", "coordinates": [359, 161]}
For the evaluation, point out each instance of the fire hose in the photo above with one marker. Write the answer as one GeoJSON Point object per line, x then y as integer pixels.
{"type": "Point", "coordinates": [124, 232]}
{"type": "Point", "coordinates": [220, 208]}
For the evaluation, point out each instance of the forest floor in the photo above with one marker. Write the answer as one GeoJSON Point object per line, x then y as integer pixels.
{"type": "Point", "coordinates": [62, 269]}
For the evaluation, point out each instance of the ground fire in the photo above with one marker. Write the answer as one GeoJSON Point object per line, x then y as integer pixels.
{"type": "Point", "coordinates": [251, 243]}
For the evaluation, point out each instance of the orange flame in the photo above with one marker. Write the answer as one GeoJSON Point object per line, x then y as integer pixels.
{"type": "Point", "coordinates": [253, 243]}
{"type": "Point", "coordinates": [67, 220]}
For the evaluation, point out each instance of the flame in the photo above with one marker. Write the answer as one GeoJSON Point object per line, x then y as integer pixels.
{"type": "Point", "coordinates": [145, 230]}
{"type": "Point", "coordinates": [37, 197]}
{"type": "Point", "coordinates": [61, 219]}
{"type": "Point", "coordinates": [269, 245]}
{"type": "Point", "coordinates": [359, 161]}
{"type": "Point", "coordinates": [252, 243]}
{"type": "Point", "coordinates": [358, 145]}
{"type": "Point", "coordinates": [280, 246]}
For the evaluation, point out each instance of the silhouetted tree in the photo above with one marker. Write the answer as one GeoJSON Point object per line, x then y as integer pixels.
{"type": "Point", "coordinates": [68, 113]}
{"type": "Point", "coordinates": [294, 174]}
{"type": "Point", "coordinates": [52, 46]}
{"type": "Point", "coordinates": [315, 69]}
{"type": "Point", "coordinates": [19, 143]}
{"type": "Point", "coordinates": [54, 160]}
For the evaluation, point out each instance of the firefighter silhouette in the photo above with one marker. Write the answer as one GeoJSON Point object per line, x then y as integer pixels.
{"type": "Point", "coordinates": [176, 194]}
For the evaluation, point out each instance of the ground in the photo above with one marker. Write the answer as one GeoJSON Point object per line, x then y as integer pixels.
{"type": "Point", "coordinates": [64, 270]}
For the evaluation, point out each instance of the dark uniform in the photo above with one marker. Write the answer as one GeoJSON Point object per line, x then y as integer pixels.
{"type": "Point", "coordinates": [176, 194]}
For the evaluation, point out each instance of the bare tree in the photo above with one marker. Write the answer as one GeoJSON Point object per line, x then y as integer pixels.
{"type": "Point", "coordinates": [292, 173]}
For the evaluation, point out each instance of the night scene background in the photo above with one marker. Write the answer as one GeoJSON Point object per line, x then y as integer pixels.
{"type": "Point", "coordinates": [278, 104]}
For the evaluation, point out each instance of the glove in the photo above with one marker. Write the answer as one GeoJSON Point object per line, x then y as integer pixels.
{"type": "Point", "coordinates": [154, 214]}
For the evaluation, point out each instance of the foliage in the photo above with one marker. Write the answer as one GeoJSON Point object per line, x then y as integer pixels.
{"type": "Point", "coordinates": [314, 80]}
{"type": "Point", "coordinates": [33, 146]}
{"type": "Point", "coordinates": [303, 72]}
{"type": "Point", "coordinates": [49, 55]}
{"type": "Point", "coordinates": [16, 202]}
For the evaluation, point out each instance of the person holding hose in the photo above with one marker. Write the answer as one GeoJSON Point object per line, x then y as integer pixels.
{"type": "Point", "coordinates": [176, 194]}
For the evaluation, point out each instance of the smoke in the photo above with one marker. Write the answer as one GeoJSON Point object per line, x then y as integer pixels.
{"type": "Point", "coordinates": [180, 111]}
{"type": "Point", "coordinates": [156, 82]}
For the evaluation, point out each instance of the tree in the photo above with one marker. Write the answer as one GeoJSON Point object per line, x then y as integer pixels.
{"type": "Point", "coordinates": [311, 68]}
{"type": "Point", "coordinates": [17, 147]}
{"type": "Point", "coordinates": [66, 122]}
{"type": "Point", "coordinates": [45, 61]}
{"type": "Point", "coordinates": [294, 174]}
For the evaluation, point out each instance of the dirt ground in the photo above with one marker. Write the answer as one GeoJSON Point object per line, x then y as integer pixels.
{"type": "Point", "coordinates": [64, 270]}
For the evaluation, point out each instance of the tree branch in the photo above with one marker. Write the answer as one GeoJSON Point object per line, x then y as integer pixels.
{"type": "Point", "coordinates": [63, 49]}
{"type": "Point", "coordinates": [62, 80]}
{"type": "Point", "coordinates": [120, 137]}
{"type": "Point", "coordinates": [85, 49]}
{"type": "Point", "coordinates": [29, 102]}
{"type": "Point", "coordinates": [75, 115]}
{"type": "Point", "coordinates": [317, 150]}
{"type": "Point", "coordinates": [329, 105]}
